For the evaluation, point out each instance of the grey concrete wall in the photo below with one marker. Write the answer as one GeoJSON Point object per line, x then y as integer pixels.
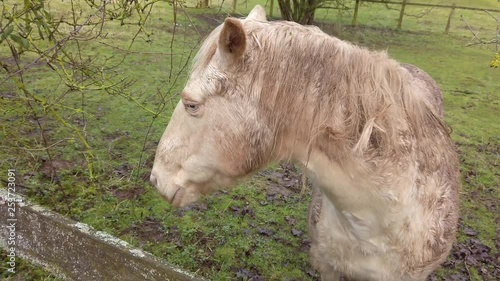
{"type": "Point", "coordinates": [74, 250]}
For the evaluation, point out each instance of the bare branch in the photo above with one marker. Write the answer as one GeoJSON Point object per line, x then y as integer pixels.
{"type": "Point", "coordinates": [475, 35]}
{"type": "Point", "coordinates": [59, 44]}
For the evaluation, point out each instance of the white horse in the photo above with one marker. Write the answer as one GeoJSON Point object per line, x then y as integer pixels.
{"type": "Point", "coordinates": [368, 130]}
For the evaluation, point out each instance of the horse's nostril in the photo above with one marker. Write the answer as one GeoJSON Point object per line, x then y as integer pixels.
{"type": "Point", "coordinates": [153, 180]}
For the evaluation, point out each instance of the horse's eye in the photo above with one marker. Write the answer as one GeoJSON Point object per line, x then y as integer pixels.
{"type": "Point", "coordinates": [192, 108]}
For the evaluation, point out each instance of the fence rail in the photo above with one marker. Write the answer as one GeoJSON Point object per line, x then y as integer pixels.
{"type": "Point", "coordinates": [405, 3]}
{"type": "Point", "coordinates": [429, 5]}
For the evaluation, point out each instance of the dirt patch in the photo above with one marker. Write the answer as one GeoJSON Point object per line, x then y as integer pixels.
{"type": "Point", "coordinates": [197, 206]}
{"type": "Point", "coordinates": [250, 275]}
{"type": "Point", "coordinates": [472, 253]}
{"type": "Point", "coordinates": [246, 210]}
{"type": "Point", "coordinates": [150, 230]}
{"type": "Point", "coordinates": [212, 22]}
{"type": "Point", "coordinates": [282, 182]}
{"type": "Point", "coordinates": [128, 194]}
{"type": "Point", "coordinates": [51, 168]}
{"type": "Point", "coordinates": [123, 170]}
{"type": "Point", "coordinates": [8, 96]}
{"type": "Point", "coordinates": [10, 63]}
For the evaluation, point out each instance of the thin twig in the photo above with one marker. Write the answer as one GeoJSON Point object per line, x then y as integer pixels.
{"type": "Point", "coordinates": [475, 35]}
{"type": "Point", "coordinates": [136, 52]}
{"type": "Point", "coordinates": [39, 149]}
{"type": "Point", "coordinates": [495, 40]}
{"type": "Point", "coordinates": [59, 44]}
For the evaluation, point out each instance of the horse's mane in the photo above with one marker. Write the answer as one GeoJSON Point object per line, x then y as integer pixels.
{"type": "Point", "coordinates": [362, 100]}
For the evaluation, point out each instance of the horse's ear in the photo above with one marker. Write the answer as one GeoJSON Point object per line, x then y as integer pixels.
{"type": "Point", "coordinates": [258, 13]}
{"type": "Point", "coordinates": [232, 38]}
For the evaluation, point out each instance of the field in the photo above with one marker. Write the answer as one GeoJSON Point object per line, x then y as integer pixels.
{"type": "Point", "coordinates": [92, 161]}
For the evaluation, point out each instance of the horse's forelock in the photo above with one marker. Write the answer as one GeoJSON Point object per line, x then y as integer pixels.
{"type": "Point", "coordinates": [206, 51]}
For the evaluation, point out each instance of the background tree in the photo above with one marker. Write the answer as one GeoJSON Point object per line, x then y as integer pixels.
{"type": "Point", "coordinates": [302, 11]}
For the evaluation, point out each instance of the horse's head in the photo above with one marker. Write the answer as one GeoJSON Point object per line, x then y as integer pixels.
{"type": "Point", "coordinates": [215, 135]}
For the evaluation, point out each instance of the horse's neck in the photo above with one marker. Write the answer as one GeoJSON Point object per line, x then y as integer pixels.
{"type": "Point", "coordinates": [349, 189]}
{"type": "Point", "coordinates": [340, 182]}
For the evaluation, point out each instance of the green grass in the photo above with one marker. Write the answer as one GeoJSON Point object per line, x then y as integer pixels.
{"type": "Point", "coordinates": [216, 238]}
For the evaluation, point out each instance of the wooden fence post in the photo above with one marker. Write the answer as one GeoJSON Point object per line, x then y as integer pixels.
{"type": "Point", "coordinates": [271, 8]}
{"type": "Point", "coordinates": [234, 6]}
{"type": "Point", "coordinates": [401, 14]}
{"type": "Point", "coordinates": [355, 16]}
{"type": "Point", "coordinates": [449, 19]}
